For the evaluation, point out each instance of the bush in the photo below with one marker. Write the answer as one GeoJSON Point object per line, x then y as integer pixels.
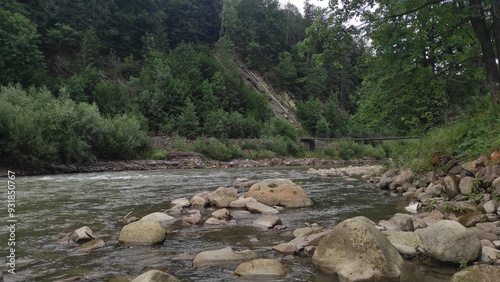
{"type": "Point", "coordinates": [213, 149]}
{"type": "Point", "coordinates": [37, 129]}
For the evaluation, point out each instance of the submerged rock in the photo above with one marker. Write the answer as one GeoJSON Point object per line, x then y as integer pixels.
{"type": "Point", "coordinates": [155, 276]}
{"type": "Point", "coordinates": [223, 257]}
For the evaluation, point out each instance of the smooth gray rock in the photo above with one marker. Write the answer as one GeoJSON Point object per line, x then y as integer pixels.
{"type": "Point", "coordinates": [356, 251]}
{"type": "Point", "coordinates": [449, 241]}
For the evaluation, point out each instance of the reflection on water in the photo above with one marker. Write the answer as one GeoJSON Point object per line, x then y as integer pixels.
{"type": "Point", "coordinates": [49, 206]}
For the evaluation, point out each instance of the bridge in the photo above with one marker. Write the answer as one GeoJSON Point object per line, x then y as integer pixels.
{"type": "Point", "coordinates": [312, 142]}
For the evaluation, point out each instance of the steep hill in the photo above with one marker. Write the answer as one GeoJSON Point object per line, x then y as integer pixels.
{"type": "Point", "coordinates": [282, 104]}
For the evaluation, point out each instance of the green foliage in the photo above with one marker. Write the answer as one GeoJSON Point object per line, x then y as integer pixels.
{"type": "Point", "coordinates": [38, 129]}
{"type": "Point", "coordinates": [467, 139]}
{"type": "Point", "coordinates": [187, 122]}
{"type": "Point", "coordinates": [214, 149]}
{"type": "Point", "coordinates": [280, 127]}
{"type": "Point", "coordinates": [309, 113]}
{"type": "Point", "coordinates": [348, 150]}
{"type": "Point", "coordinates": [81, 86]}
{"type": "Point", "coordinates": [20, 58]}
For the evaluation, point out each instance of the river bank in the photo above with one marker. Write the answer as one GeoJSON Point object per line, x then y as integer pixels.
{"type": "Point", "coordinates": [180, 161]}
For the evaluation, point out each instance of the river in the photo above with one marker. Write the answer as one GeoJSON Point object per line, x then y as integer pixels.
{"type": "Point", "coordinates": [50, 206]}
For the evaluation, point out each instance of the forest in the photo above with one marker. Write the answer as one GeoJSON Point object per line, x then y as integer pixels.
{"type": "Point", "coordinates": [90, 80]}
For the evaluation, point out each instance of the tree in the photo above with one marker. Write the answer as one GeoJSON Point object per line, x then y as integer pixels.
{"type": "Point", "coordinates": [20, 59]}
{"type": "Point", "coordinates": [187, 122]}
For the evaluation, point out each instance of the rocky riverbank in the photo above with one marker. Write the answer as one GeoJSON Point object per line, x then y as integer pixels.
{"type": "Point", "coordinates": [180, 160]}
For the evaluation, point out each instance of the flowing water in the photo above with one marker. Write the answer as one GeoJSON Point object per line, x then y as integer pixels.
{"type": "Point", "coordinates": [49, 206]}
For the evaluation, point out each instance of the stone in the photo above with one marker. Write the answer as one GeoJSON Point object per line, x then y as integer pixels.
{"type": "Point", "coordinates": [160, 217]}
{"type": "Point", "coordinates": [241, 214]}
{"type": "Point", "coordinates": [225, 256]}
{"type": "Point", "coordinates": [466, 185]}
{"type": "Point", "coordinates": [496, 185]}
{"type": "Point", "coordinates": [410, 239]}
{"type": "Point", "coordinates": [256, 207]}
{"type": "Point", "coordinates": [403, 221]}
{"type": "Point", "coordinates": [404, 176]}
{"type": "Point", "coordinates": [477, 273]}
{"type": "Point", "coordinates": [449, 241]}
{"type": "Point", "coordinates": [471, 219]}
{"type": "Point", "coordinates": [434, 190]}
{"type": "Point", "coordinates": [475, 165]}
{"type": "Point", "coordinates": [482, 234]}
{"type": "Point", "coordinates": [302, 232]}
{"type": "Point", "coordinates": [221, 214]}
{"type": "Point", "coordinates": [194, 218]}
{"type": "Point", "coordinates": [434, 217]}
{"type": "Point", "coordinates": [487, 243]}
{"type": "Point", "coordinates": [450, 186]}
{"type": "Point", "coordinates": [455, 170]}
{"type": "Point", "coordinates": [279, 192]}
{"type": "Point", "coordinates": [356, 251]}
{"type": "Point", "coordinates": [489, 206]}
{"type": "Point", "coordinates": [260, 268]}
{"type": "Point", "coordinates": [81, 235]}
{"type": "Point", "coordinates": [285, 248]}
{"type": "Point", "coordinates": [430, 177]}
{"type": "Point", "coordinates": [489, 255]}
{"type": "Point", "coordinates": [91, 245]}
{"type": "Point", "coordinates": [177, 209]}
{"type": "Point", "coordinates": [142, 232]}
{"type": "Point", "coordinates": [155, 276]}
{"type": "Point", "coordinates": [496, 243]}
{"type": "Point", "coordinates": [200, 200]}
{"type": "Point", "coordinates": [387, 178]}
{"type": "Point", "coordinates": [241, 202]}
{"type": "Point", "coordinates": [488, 174]}
{"type": "Point", "coordinates": [215, 221]}
{"type": "Point", "coordinates": [314, 238]}
{"type": "Point", "coordinates": [300, 243]}
{"type": "Point", "coordinates": [223, 196]}
{"type": "Point", "coordinates": [267, 221]}
{"type": "Point", "coordinates": [184, 202]}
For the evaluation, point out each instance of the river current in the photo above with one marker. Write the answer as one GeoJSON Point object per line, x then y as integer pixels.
{"type": "Point", "coordinates": [50, 206]}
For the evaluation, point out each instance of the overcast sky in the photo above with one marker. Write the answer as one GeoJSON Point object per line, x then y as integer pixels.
{"type": "Point", "coordinates": [300, 3]}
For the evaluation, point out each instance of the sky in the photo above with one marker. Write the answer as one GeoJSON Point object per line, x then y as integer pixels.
{"type": "Point", "coordinates": [300, 3]}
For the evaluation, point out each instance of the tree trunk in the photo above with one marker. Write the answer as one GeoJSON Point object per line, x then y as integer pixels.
{"type": "Point", "coordinates": [482, 32]}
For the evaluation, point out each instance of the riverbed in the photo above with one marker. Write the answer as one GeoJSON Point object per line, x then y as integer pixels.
{"type": "Point", "coordinates": [53, 205]}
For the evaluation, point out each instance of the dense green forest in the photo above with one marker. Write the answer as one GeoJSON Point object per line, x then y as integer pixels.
{"type": "Point", "coordinates": [86, 80]}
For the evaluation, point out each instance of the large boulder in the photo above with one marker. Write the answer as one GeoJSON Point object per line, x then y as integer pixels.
{"type": "Point", "coordinates": [142, 232]}
{"type": "Point", "coordinates": [223, 257]}
{"type": "Point", "coordinates": [155, 276]}
{"type": "Point", "coordinates": [356, 251]}
{"type": "Point", "coordinates": [222, 197]}
{"type": "Point", "coordinates": [260, 268]}
{"type": "Point", "coordinates": [449, 241]}
{"type": "Point", "coordinates": [478, 273]}
{"type": "Point", "coordinates": [279, 192]}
